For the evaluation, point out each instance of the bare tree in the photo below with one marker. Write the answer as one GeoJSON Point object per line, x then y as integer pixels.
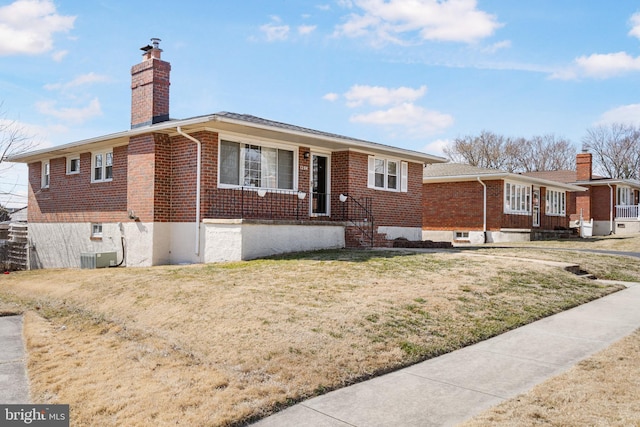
{"type": "Point", "coordinates": [489, 150]}
{"type": "Point", "coordinates": [546, 153]}
{"type": "Point", "coordinates": [14, 140]}
{"type": "Point", "coordinates": [616, 150]}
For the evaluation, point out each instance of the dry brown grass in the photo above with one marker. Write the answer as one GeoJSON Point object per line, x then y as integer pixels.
{"type": "Point", "coordinates": [226, 343]}
{"type": "Point", "coordinates": [603, 390]}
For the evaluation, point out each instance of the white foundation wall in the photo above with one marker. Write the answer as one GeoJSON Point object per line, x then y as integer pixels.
{"type": "Point", "coordinates": [437, 235]}
{"type": "Point", "coordinates": [627, 227]}
{"type": "Point", "coordinates": [602, 228]}
{"type": "Point", "coordinates": [409, 233]}
{"type": "Point", "coordinates": [235, 240]}
{"type": "Point", "coordinates": [477, 237]}
{"type": "Point", "coordinates": [59, 245]}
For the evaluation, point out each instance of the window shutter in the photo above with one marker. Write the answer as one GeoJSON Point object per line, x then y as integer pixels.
{"type": "Point", "coordinates": [372, 173]}
{"type": "Point", "coordinates": [404, 177]}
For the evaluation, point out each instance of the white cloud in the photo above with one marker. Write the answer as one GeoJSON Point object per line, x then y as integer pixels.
{"type": "Point", "coordinates": [381, 96]}
{"type": "Point", "coordinates": [415, 120]}
{"type": "Point", "coordinates": [607, 65]}
{"type": "Point", "coordinates": [436, 147]}
{"type": "Point", "coordinates": [73, 115]}
{"type": "Point", "coordinates": [275, 31]}
{"type": "Point", "coordinates": [635, 25]}
{"type": "Point", "coordinates": [84, 79]}
{"type": "Point", "coordinates": [436, 20]}
{"type": "Point", "coordinates": [505, 44]}
{"type": "Point", "coordinates": [627, 114]}
{"type": "Point", "coordinates": [599, 66]}
{"type": "Point", "coordinates": [306, 29]}
{"type": "Point", "coordinates": [59, 55]}
{"type": "Point", "coordinates": [28, 26]}
{"type": "Point", "coordinates": [331, 97]}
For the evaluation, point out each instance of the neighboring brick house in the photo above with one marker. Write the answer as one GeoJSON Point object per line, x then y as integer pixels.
{"type": "Point", "coordinates": [612, 204]}
{"type": "Point", "coordinates": [463, 203]}
{"type": "Point", "coordinates": [216, 187]}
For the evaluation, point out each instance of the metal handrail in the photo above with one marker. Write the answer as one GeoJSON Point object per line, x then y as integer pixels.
{"type": "Point", "coordinates": [357, 210]}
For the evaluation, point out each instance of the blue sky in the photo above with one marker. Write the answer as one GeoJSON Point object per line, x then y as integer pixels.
{"type": "Point", "coordinates": [409, 73]}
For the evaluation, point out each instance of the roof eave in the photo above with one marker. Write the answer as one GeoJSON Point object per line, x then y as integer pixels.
{"type": "Point", "coordinates": [347, 143]}
{"type": "Point", "coordinates": [503, 175]}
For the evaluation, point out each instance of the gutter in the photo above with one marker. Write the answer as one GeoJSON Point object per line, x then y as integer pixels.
{"type": "Point", "coordinates": [484, 210]}
{"type": "Point", "coordinates": [198, 185]}
{"type": "Point", "coordinates": [610, 209]}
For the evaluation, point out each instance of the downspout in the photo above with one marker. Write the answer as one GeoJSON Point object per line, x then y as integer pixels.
{"type": "Point", "coordinates": [484, 211]}
{"type": "Point", "coordinates": [610, 208]}
{"type": "Point", "coordinates": [198, 172]}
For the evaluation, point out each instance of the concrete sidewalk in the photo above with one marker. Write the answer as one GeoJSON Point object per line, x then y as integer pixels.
{"type": "Point", "coordinates": [14, 387]}
{"type": "Point", "coordinates": [454, 387]}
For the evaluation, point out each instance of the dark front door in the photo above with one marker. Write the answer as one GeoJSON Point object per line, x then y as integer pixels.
{"type": "Point", "coordinates": [319, 185]}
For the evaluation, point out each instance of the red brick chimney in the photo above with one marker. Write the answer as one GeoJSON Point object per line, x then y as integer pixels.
{"type": "Point", "coordinates": [583, 166]}
{"type": "Point", "coordinates": [150, 87]}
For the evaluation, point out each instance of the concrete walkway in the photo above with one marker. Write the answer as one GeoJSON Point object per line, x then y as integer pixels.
{"type": "Point", "coordinates": [454, 387]}
{"type": "Point", "coordinates": [14, 387]}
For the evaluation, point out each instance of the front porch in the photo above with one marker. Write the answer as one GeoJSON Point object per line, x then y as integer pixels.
{"type": "Point", "coordinates": [627, 219]}
{"type": "Point", "coordinates": [290, 209]}
{"type": "Point", "coordinates": [628, 212]}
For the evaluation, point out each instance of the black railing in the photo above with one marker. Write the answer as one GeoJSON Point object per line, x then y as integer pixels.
{"type": "Point", "coordinates": [360, 214]}
{"type": "Point", "coordinates": [253, 203]}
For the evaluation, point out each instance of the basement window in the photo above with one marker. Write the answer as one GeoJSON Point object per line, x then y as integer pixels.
{"type": "Point", "coordinates": [96, 231]}
{"type": "Point", "coordinates": [462, 236]}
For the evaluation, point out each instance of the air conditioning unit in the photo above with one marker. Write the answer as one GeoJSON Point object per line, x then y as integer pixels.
{"type": "Point", "coordinates": [98, 259]}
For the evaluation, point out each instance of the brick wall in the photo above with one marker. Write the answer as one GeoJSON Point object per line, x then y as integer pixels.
{"type": "Point", "coordinates": [150, 92]}
{"type": "Point", "coordinates": [349, 174]}
{"type": "Point", "coordinates": [601, 202]}
{"type": "Point", "coordinates": [155, 177]}
{"type": "Point", "coordinates": [460, 206]}
{"type": "Point", "coordinates": [73, 198]}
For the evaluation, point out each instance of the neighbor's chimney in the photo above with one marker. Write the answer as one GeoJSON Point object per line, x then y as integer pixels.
{"type": "Point", "coordinates": [583, 166]}
{"type": "Point", "coordinates": [150, 87]}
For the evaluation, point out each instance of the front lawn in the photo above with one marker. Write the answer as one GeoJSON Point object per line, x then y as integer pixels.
{"type": "Point", "coordinates": [222, 344]}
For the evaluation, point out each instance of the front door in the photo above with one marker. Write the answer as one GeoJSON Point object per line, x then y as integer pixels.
{"type": "Point", "coordinates": [319, 185]}
{"type": "Point", "coordinates": [536, 207]}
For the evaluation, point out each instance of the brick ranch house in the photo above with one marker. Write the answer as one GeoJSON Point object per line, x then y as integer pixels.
{"type": "Point", "coordinates": [609, 206]}
{"type": "Point", "coordinates": [214, 188]}
{"type": "Point", "coordinates": [463, 203]}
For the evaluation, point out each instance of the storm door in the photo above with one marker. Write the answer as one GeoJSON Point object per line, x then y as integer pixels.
{"type": "Point", "coordinates": [320, 197]}
{"type": "Point", "coordinates": [536, 207]}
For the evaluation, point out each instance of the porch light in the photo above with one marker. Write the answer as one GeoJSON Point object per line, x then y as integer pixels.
{"type": "Point", "coordinates": [262, 192]}
{"type": "Point", "coordinates": [302, 195]}
{"type": "Point", "coordinates": [306, 154]}
{"type": "Point", "coordinates": [343, 198]}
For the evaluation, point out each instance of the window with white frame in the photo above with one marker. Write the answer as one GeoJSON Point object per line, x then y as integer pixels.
{"type": "Point", "coordinates": [259, 166]}
{"type": "Point", "coordinates": [555, 203]}
{"type": "Point", "coordinates": [625, 196]}
{"type": "Point", "coordinates": [517, 198]}
{"type": "Point", "coordinates": [96, 231]}
{"type": "Point", "coordinates": [387, 174]}
{"type": "Point", "coordinates": [73, 165]}
{"type": "Point", "coordinates": [46, 174]}
{"type": "Point", "coordinates": [102, 166]}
